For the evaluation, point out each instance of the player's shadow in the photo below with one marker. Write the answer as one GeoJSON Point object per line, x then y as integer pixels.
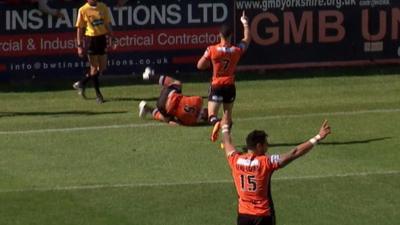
{"type": "Point", "coordinates": [203, 124]}
{"type": "Point", "coordinates": [366, 141]}
{"type": "Point", "coordinates": [146, 99]}
{"type": "Point", "coordinates": [61, 113]}
{"type": "Point", "coordinates": [126, 99]}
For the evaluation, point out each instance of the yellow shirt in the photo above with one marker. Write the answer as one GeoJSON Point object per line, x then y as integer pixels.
{"type": "Point", "coordinates": [95, 19]}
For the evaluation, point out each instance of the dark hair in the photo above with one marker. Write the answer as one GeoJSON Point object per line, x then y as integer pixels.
{"type": "Point", "coordinates": [256, 137]}
{"type": "Point", "coordinates": [226, 31]}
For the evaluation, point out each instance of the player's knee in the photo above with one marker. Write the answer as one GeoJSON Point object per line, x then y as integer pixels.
{"type": "Point", "coordinates": [167, 81]}
{"type": "Point", "coordinates": [102, 66]}
{"type": "Point", "coordinates": [177, 83]}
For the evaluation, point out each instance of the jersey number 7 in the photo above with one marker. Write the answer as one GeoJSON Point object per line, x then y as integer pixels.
{"type": "Point", "coordinates": [225, 63]}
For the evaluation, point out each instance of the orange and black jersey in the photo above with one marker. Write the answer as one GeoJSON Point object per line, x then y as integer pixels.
{"type": "Point", "coordinates": [252, 176]}
{"type": "Point", "coordinates": [185, 109]}
{"type": "Point", "coordinates": [224, 59]}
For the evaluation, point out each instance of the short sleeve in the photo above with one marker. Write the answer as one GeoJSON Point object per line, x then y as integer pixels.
{"type": "Point", "coordinates": [273, 161]}
{"type": "Point", "coordinates": [232, 158]}
{"type": "Point", "coordinates": [80, 21]}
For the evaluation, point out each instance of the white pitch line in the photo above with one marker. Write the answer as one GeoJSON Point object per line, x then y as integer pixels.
{"type": "Point", "coordinates": [137, 185]}
{"type": "Point", "coordinates": [348, 113]}
{"type": "Point", "coordinates": [71, 129]}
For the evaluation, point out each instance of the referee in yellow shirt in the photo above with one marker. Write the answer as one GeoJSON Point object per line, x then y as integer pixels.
{"type": "Point", "coordinates": [94, 25]}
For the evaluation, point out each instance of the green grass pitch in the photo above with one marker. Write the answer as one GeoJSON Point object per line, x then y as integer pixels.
{"type": "Point", "coordinates": [64, 160]}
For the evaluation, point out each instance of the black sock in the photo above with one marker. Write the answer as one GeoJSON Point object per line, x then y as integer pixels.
{"type": "Point", "coordinates": [96, 84]}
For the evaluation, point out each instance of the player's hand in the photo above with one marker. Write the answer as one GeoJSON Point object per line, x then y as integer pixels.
{"type": "Point", "coordinates": [173, 123]}
{"type": "Point", "coordinates": [114, 43]}
{"type": "Point", "coordinates": [244, 19]}
{"type": "Point", "coordinates": [324, 130]}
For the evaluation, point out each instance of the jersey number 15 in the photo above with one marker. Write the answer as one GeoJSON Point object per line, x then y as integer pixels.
{"type": "Point", "coordinates": [248, 182]}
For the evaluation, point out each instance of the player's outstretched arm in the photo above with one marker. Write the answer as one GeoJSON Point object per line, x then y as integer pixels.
{"type": "Point", "coordinates": [246, 30]}
{"type": "Point", "coordinates": [226, 137]}
{"type": "Point", "coordinates": [305, 147]}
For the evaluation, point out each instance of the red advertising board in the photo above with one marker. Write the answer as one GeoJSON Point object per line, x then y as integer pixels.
{"type": "Point", "coordinates": [314, 33]}
{"type": "Point", "coordinates": [167, 35]}
{"type": "Point", "coordinates": [172, 36]}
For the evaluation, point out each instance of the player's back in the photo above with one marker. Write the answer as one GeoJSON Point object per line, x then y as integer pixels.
{"type": "Point", "coordinates": [224, 59]}
{"type": "Point", "coordinates": [252, 175]}
{"type": "Point", "coordinates": [188, 109]}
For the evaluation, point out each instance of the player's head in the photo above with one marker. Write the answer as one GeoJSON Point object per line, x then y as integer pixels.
{"type": "Point", "coordinates": [226, 32]}
{"type": "Point", "coordinates": [92, 2]}
{"type": "Point", "coordinates": [257, 141]}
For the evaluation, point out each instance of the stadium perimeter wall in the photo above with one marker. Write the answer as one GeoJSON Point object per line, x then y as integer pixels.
{"type": "Point", "coordinates": [172, 36]}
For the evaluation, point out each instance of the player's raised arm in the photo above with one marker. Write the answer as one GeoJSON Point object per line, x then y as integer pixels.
{"type": "Point", "coordinates": [305, 147]}
{"type": "Point", "coordinates": [246, 30]}
{"type": "Point", "coordinates": [226, 137]}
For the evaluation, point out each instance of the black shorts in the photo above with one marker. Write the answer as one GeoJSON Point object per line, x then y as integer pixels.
{"type": "Point", "coordinates": [97, 45]}
{"type": "Point", "coordinates": [225, 94]}
{"type": "Point", "coordinates": [255, 220]}
{"type": "Point", "coordinates": [162, 100]}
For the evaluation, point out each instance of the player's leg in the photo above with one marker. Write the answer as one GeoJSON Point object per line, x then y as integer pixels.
{"type": "Point", "coordinates": [97, 51]}
{"type": "Point", "coordinates": [227, 107]}
{"type": "Point", "coordinates": [94, 61]}
{"type": "Point", "coordinates": [215, 99]}
{"type": "Point", "coordinates": [102, 63]}
{"type": "Point", "coordinates": [224, 95]}
{"type": "Point", "coordinates": [265, 220]}
{"type": "Point", "coordinates": [214, 103]}
{"type": "Point", "coordinates": [167, 81]}
{"type": "Point", "coordinates": [80, 85]}
{"type": "Point", "coordinates": [145, 109]}
{"type": "Point", "coordinates": [161, 79]}
{"type": "Point", "coordinates": [157, 115]}
{"type": "Point", "coordinates": [213, 108]}
{"type": "Point", "coordinates": [163, 102]}
{"type": "Point", "coordinates": [102, 59]}
{"type": "Point", "coordinates": [245, 220]}
{"type": "Point", "coordinates": [229, 98]}
{"type": "Point", "coordinates": [254, 220]}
